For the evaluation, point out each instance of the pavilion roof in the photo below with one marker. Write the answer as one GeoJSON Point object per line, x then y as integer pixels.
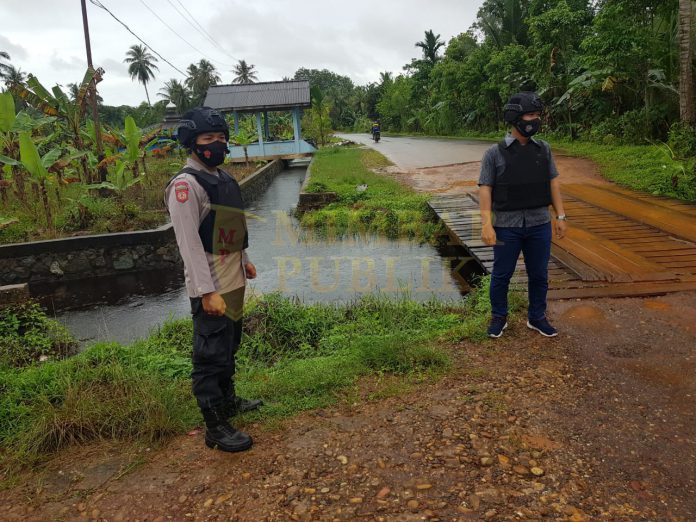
{"type": "Point", "coordinates": [261, 96]}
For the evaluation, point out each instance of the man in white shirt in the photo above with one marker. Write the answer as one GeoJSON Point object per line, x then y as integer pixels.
{"type": "Point", "coordinates": [206, 210]}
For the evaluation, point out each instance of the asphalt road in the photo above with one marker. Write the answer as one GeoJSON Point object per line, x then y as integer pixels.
{"type": "Point", "coordinates": [415, 153]}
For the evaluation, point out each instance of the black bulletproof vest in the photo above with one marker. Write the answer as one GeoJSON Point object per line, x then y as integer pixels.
{"type": "Point", "coordinates": [525, 182]}
{"type": "Point", "coordinates": [224, 229]}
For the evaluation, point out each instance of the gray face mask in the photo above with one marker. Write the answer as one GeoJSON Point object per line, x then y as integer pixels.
{"type": "Point", "coordinates": [528, 128]}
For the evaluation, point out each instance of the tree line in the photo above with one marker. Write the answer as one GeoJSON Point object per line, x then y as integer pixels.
{"type": "Point", "coordinates": [607, 70]}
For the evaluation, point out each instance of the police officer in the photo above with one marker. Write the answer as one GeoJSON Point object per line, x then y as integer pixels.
{"type": "Point", "coordinates": [518, 182]}
{"type": "Point", "coordinates": [206, 209]}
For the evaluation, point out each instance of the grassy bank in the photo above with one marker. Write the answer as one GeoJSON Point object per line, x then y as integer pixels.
{"type": "Point", "coordinates": [645, 168]}
{"type": "Point", "coordinates": [295, 357]}
{"type": "Point", "coordinates": [367, 202]}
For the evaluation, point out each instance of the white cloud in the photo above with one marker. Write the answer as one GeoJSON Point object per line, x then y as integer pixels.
{"type": "Point", "coordinates": [358, 39]}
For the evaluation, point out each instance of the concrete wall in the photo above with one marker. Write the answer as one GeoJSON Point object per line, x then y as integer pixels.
{"type": "Point", "coordinates": [313, 200]}
{"type": "Point", "coordinates": [107, 254]}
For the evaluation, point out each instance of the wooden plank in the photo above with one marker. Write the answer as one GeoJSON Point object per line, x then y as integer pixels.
{"type": "Point", "coordinates": [584, 271]}
{"type": "Point", "coordinates": [677, 223]}
{"type": "Point", "coordinates": [622, 290]}
{"type": "Point", "coordinates": [661, 201]}
{"type": "Point", "coordinates": [614, 262]}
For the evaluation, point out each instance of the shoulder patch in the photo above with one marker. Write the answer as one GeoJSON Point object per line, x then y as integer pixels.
{"type": "Point", "coordinates": [182, 191]}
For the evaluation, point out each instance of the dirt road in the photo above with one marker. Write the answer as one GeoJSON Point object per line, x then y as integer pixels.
{"type": "Point", "coordinates": [598, 424]}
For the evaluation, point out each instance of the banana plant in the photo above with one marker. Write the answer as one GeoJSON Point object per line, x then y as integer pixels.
{"type": "Point", "coordinates": [58, 104]}
{"type": "Point", "coordinates": [11, 125]}
{"type": "Point", "coordinates": [36, 165]}
{"type": "Point", "coordinates": [244, 138]}
{"type": "Point", "coordinates": [132, 143]}
{"type": "Point", "coordinates": [120, 181]}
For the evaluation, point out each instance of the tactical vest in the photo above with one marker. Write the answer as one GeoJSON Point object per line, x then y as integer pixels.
{"type": "Point", "coordinates": [224, 229]}
{"type": "Point", "coordinates": [526, 182]}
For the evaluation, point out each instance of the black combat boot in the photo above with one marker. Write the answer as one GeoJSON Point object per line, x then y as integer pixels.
{"type": "Point", "coordinates": [220, 435]}
{"type": "Point", "coordinates": [234, 405]}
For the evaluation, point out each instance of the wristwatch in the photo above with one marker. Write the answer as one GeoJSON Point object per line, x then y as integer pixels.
{"type": "Point", "coordinates": [561, 217]}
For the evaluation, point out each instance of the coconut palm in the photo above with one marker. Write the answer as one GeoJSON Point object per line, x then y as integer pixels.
{"type": "Point", "coordinates": [431, 45]}
{"type": "Point", "coordinates": [686, 82]}
{"type": "Point", "coordinates": [245, 72]}
{"type": "Point", "coordinates": [177, 93]}
{"type": "Point", "coordinates": [3, 66]}
{"type": "Point", "coordinates": [200, 77]}
{"type": "Point", "coordinates": [141, 66]}
{"type": "Point", "coordinates": [12, 74]}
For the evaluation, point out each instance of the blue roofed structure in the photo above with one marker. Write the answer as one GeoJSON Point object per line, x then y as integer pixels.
{"type": "Point", "coordinates": [260, 99]}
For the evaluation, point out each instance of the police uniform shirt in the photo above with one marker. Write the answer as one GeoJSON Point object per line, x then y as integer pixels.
{"type": "Point", "coordinates": [188, 205]}
{"type": "Point", "coordinates": [493, 166]}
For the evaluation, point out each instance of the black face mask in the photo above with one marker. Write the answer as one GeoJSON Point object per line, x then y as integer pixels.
{"type": "Point", "coordinates": [528, 128]}
{"type": "Point", "coordinates": [212, 154]}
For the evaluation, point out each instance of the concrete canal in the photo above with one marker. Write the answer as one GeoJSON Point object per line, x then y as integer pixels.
{"type": "Point", "coordinates": [126, 307]}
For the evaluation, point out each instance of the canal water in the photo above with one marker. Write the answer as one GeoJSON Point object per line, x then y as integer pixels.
{"type": "Point", "coordinates": [288, 260]}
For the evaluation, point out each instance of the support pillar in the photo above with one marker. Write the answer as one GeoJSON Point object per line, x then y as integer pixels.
{"type": "Point", "coordinates": [236, 122]}
{"type": "Point", "coordinates": [296, 128]}
{"type": "Point", "coordinates": [259, 129]}
{"type": "Point", "coordinates": [267, 134]}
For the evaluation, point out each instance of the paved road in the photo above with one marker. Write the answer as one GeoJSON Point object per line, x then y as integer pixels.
{"type": "Point", "coordinates": [415, 153]}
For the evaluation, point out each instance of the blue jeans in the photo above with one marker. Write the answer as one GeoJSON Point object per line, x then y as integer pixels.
{"type": "Point", "coordinates": [535, 245]}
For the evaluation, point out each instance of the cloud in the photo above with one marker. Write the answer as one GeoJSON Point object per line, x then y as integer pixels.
{"type": "Point", "coordinates": [68, 63]}
{"type": "Point", "coordinates": [15, 51]}
{"type": "Point", "coordinates": [358, 39]}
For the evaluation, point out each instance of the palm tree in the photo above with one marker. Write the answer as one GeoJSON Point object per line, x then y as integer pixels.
{"type": "Point", "coordinates": [245, 72]}
{"type": "Point", "coordinates": [177, 93]}
{"type": "Point", "coordinates": [3, 66]}
{"type": "Point", "coordinates": [141, 66]}
{"type": "Point", "coordinates": [686, 82]}
{"type": "Point", "coordinates": [200, 77]}
{"type": "Point", "coordinates": [13, 75]}
{"type": "Point", "coordinates": [431, 45]}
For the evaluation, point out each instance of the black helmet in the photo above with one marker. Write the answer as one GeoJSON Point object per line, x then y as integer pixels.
{"type": "Point", "coordinates": [521, 103]}
{"type": "Point", "coordinates": [200, 120]}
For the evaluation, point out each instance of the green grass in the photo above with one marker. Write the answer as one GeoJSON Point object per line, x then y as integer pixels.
{"type": "Point", "coordinates": [386, 207]}
{"type": "Point", "coordinates": [646, 168]}
{"type": "Point", "coordinates": [295, 357]}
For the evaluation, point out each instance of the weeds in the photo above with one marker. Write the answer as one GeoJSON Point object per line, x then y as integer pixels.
{"type": "Point", "coordinates": [368, 203]}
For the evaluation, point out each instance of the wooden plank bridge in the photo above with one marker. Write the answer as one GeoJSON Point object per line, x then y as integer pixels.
{"type": "Point", "coordinates": [619, 243]}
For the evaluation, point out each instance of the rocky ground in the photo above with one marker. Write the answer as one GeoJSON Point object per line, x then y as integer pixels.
{"type": "Point", "coordinates": [597, 424]}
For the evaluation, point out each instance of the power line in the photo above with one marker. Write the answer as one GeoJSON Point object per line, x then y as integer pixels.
{"type": "Point", "coordinates": [180, 37]}
{"type": "Point", "coordinates": [102, 6]}
{"type": "Point", "coordinates": [207, 34]}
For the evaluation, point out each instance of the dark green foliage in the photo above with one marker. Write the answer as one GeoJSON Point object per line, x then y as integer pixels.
{"type": "Point", "coordinates": [294, 356]}
{"type": "Point", "coordinates": [27, 335]}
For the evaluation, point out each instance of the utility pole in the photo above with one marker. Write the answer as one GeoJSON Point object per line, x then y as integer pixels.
{"type": "Point", "coordinates": [93, 96]}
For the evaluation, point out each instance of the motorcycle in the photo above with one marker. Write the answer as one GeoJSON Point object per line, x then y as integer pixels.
{"type": "Point", "coordinates": [376, 136]}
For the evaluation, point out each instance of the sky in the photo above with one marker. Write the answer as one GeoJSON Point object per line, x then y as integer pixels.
{"type": "Point", "coordinates": [359, 38]}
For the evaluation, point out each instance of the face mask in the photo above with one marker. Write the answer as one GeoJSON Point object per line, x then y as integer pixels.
{"type": "Point", "coordinates": [528, 128]}
{"type": "Point", "coordinates": [212, 154]}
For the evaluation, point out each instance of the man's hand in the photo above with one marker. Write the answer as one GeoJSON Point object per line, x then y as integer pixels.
{"type": "Point", "coordinates": [250, 270]}
{"type": "Point", "coordinates": [214, 304]}
{"type": "Point", "coordinates": [561, 227]}
{"type": "Point", "coordinates": [488, 235]}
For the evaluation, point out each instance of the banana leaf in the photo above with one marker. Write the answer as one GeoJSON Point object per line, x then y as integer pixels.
{"type": "Point", "coordinates": [7, 112]}
{"type": "Point", "coordinates": [8, 161]}
{"type": "Point", "coordinates": [30, 158]}
{"type": "Point", "coordinates": [133, 135]}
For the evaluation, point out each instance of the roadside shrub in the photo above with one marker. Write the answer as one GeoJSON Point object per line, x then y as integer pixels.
{"type": "Point", "coordinates": [27, 335]}
{"type": "Point", "coordinates": [682, 140]}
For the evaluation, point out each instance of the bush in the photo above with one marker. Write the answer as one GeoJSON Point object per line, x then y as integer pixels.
{"type": "Point", "coordinates": [27, 335]}
{"type": "Point", "coordinates": [682, 140]}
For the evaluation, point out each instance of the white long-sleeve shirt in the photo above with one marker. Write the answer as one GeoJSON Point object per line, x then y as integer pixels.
{"type": "Point", "coordinates": [188, 205]}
